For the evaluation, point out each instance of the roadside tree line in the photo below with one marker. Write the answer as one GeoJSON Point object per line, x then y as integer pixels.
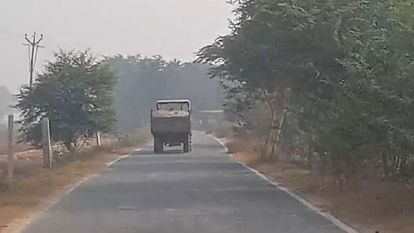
{"type": "Point", "coordinates": [144, 80]}
{"type": "Point", "coordinates": [75, 92]}
{"type": "Point", "coordinates": [82, 95]}
{"type": "Point", "coordinates": [336, 80]}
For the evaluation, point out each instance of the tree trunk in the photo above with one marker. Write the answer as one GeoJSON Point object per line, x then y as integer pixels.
{"type": "Point", "coordinates": [264, 149]}
{"type": "Point", "coordinates": [74, 152]}
{"type": "Point", "coordinates": [276, 102]}
{"type": "Point", "coordinates": [10, 147]}
{"type": "Point", "coordinates": [278, 132]}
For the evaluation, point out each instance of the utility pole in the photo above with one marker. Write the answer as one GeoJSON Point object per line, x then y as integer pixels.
{"type": "Point", "coordinates": [33, 45]}
{"type": "Point", "coordinates": [10, 149]}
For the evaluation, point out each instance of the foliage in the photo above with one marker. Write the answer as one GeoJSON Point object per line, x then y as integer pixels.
{"type": "Point", "coordinates": [76, 93]}
{"type": "Point", "coordinates": [341, 69]}
{"type": "Point", "coordinates": [142, 81]}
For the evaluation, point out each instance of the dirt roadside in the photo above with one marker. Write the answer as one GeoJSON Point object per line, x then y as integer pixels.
{"type": "Point", "coordinates": [36, 188]}
{"type": "Point", "coordinates": [373, 206]}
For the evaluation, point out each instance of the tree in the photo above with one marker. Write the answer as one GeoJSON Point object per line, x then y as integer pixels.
{"type": "Point", "coordinates": [144, 80]}
{"type": "Point", "coordinates": [268, 53]}
{"type": "Point", "coordinates": [341, 69]}
{"type": "Point", "coordinates": [76, 93]}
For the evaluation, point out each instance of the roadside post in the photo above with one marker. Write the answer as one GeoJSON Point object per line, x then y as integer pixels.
{"type": "Point", "coordinates": [46, 144]}
{"type": "Point", "coordinates": [10, 151]}
{"type": "Point", "coordinates": [98, 139]}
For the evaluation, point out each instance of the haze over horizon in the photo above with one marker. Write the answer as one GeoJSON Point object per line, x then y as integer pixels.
{"type": "Point", "coordinates": [170, 28]}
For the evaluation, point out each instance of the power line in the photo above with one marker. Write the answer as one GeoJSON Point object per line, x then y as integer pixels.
{"type": "Point", "coordinates": [33, 46]}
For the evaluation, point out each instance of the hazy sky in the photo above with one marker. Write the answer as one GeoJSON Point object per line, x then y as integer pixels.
{"type": "Point", "coordinates": [171, 28]}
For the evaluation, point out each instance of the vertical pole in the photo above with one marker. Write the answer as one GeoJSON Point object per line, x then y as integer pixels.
{"type": "Point", "coordinates": [10, 167]}
{"type": "Point", "coordinates": [32, 62]}
{"type": "Point", "coordinates": [33, 45]}
{"type": "Point", "coordinates": [47, 148]}
{"type": "Point", "coordinates": [98, 139]}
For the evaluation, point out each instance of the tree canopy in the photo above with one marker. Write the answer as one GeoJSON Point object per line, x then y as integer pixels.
{"type": "Point", "coordinates": [76, 93]}
{"type": "Point", "coordinates": [341, 71]}
{"type": "Point", "coordinates": [144, 80]}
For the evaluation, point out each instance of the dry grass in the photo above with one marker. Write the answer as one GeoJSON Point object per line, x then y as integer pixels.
{"type": "Point", "coordinates": [135, 137]}
{"type": "Point", "coordinates": [371, 206]}
{"type": "Point", "coordinates": [222, 129]}
{"type": "Point", "coordinates": [3, 142]}
{"type": "Point", "coordinates": [43, 184]}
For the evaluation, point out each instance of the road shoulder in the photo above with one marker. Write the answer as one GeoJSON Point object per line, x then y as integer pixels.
{"type": "Point", "coordinates": [40, 189]}
{"type": "Point", "coordinates": [265, 172]}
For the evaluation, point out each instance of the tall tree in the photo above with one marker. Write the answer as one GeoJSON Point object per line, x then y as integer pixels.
{"type": "Point", "coordinates": [76, 93]}
{"type": "Point", "coordinates": [338, 67]}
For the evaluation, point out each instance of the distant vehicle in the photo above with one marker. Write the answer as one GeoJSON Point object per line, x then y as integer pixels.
{"type": "Point", "coordinates": [171, 124]}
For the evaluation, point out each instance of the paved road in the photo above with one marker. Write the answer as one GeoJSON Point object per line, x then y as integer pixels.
{"type": "Point", "coordinates": [200, 192]}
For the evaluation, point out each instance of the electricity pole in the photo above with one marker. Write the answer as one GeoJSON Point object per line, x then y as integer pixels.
{"type": "Point", "coordinates": [33, 46]}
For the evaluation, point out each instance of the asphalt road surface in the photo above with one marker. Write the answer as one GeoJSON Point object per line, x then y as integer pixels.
{"type": "Point", "coordinates": [200, 192]}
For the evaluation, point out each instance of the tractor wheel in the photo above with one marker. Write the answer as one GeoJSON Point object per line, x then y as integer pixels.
{"type": "Point", "coordinates": [158, 145]}
{"type": "Point", "coordinates": [187, 144]}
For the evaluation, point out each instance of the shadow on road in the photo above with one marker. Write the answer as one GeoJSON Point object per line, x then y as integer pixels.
{"type": "Point", "coordinates": [151, 152]}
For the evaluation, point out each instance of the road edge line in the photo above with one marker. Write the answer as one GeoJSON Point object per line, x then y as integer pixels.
{"type": "Point", "coordinates": [226, 149]}
{"type": "Point", "coordinates": [337, 222]}
{"type": "Point", "coordinates": [47, 204]}
{"type": "Point", "coordinates": [111, 163]}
